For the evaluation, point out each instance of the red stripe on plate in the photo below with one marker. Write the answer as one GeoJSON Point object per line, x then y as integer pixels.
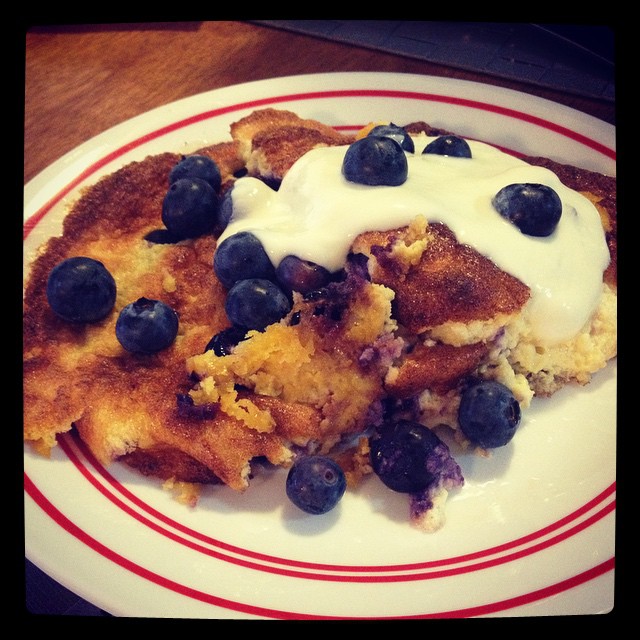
{"type": "Point", "coordinates": [414, 571]}
{"type": "Point", "coordinates": [316, 95]}
{"type": "Point", "coordinates": [125, 563]}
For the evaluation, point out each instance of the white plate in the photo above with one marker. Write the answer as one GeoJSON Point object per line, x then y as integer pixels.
{"type": "Point", "coordinates": [530, 533]}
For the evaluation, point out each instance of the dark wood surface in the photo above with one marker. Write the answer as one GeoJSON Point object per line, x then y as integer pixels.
{"type": "Point", "coordinates": [81, 80]}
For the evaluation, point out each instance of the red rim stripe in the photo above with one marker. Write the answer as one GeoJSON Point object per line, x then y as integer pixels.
{"type": "Point", "coordinates": [518, 542]}
{"type": "Point", "coordinates": [421, 571]}
{"type": "Point", "coordinates": [495, 607]}
{"type": "Point", "coordinates": [347, 93]}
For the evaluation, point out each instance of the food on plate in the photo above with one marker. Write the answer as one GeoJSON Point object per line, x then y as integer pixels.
{"type": "Point", "coordinates": [339, 305]}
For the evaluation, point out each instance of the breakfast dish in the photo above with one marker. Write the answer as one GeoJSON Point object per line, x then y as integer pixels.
{"type": "Point", "coordinates": [399, 327]}
{"type": "Point", "coordinates": [337, 362]}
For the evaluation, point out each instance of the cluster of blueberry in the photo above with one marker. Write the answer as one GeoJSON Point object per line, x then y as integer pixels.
{"type": "Point", "coordinates": [81, 289]}
{"type": "Point", "coordinates": [259, 294]}
{"type": "Point", "coordinates": [410, 458]}
{"type": "Point", "coordinates": [379, 159]}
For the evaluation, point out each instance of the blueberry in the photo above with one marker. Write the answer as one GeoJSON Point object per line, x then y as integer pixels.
{"type": "Point", "coordinates": [146, 326]}
{"type": "Point", "coordinates": [225, 211]}
{"type": "Point", "coordinates": [534, 208]}
{"type": "Point", "coordinates": [295, 274]}
{"type": "Point", "coordinates": [190, 208]}
{"type": "Point", "coordinates": [197, 166]}
{"type": "Point", "coordinates": [81, 290]}
{"type": "Point", "coordinates": [489, 414]}
{"type": "Point", "coordinates": [315, 484]}
{"type": "Point", "coordinates": [375, 160]}
{"type": "Point", "coordinates": [256, 303]}
{"type": "Point", "coordinates": [407, 456]}
{"type": "Point", "coordinates": [449, 146]}
{"type": "Point", "coordinates": [223, 342]}
{"type": "Point", "coordinates": [162, 236]}
{"type": "Point", "coordinates": [396, 133]}
{"type": "Point", "coordinates": [241, 256]}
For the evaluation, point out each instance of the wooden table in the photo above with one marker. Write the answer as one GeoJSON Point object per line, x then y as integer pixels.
{"type": "Point", "coordinates": [83, 79]}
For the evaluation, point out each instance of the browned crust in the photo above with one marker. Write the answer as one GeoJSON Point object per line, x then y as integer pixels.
{"type": "Point", "coordinates": [451, 283]}
{"type": "Point", "coordinates": [166, 463]}
{"type": "Point", "coordinates": [271, 140]}
{"type": "Point", "coordinates": [438, 366]}
{"type": "Point", "coordinates": [263, 122]}
{"type": "Point", "coordinates": [281, 148]}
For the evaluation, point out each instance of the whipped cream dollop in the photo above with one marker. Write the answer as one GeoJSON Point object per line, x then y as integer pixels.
{"type": "Point", "coordinates": [316, 214]}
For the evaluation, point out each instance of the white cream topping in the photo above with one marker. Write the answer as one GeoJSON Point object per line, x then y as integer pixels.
{"type": "Point", "coordinates": [316, 214]}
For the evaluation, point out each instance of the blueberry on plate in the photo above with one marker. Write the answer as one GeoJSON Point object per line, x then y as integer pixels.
{"type": "Point", "coordinates": [534, 208]}
{"type": "Point", "coordinates": [399, 134]}
{"type": "Point", "coordinates": [489, 414]}
{"type": "Point", "coordinates": [222, 343]}
{"type": "Point", "coordinates": [241, 256]}
{"type": "Point", "coordinates": [256, 303]}
{"type": "Point", "coordinates": [449, 146]}
{"type": "Point", "coordinates": [197, 166]}
{"type": "Point", "coordinates": [190, 208]}
{"type": "Point", "coordinates": [146, 326]}
{"type": "Point", "coordinates": [303, 276]}
{"type": "Point", "coordinates": [162, 236]}
{"type": "Point", "coordinates": [81, 289]}
{"type": "Point", "coordinates": [407, 456]}
{"type": "Point", "coordinates": [315, 484]}
{"type": "Point", "coordinates": [375, 161]}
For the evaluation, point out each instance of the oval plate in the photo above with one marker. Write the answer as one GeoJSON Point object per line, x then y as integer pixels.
{"type": "Point", "coordinates": [531, 532]}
